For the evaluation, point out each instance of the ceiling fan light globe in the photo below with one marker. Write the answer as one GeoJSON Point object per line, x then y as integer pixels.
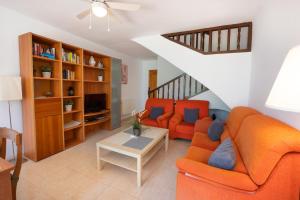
{"type": "Point", "coordinates": [99, 9]}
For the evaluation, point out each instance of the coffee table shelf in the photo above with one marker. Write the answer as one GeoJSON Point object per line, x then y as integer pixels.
{"type": "Point", "coordinates": [128, 162]}
{"type": "Point", "coordinates": [112, 150]}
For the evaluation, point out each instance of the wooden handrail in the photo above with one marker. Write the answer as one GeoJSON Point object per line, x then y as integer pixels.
{"type": "Point", "coordinates": [189, 38]}
{"type": "Point", "coordinates": [188, 90]}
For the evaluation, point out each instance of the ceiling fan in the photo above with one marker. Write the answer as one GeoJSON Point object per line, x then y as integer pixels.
{"type": "Point", "coordinates": [102, 8]}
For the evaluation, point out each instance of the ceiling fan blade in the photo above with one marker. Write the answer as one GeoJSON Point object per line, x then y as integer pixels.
{"type": "Point", "coordinates": [123, 6]}
{"type": "Point", "coordinates": [83, 14]}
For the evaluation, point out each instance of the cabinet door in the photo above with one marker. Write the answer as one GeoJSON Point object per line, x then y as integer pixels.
{"type": "Point", "coordinates": [49, 134]}
{"type": "Point", "coordinates": [116, 93]}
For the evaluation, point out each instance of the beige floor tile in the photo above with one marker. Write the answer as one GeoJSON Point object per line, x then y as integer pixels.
{"type": "Point", "coordinates": [112, 193]}
{"type": "Point", "coordinates": [72, 174]}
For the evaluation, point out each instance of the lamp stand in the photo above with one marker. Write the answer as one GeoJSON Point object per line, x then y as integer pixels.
{"type": "Point", "coordinates": [10, 123]}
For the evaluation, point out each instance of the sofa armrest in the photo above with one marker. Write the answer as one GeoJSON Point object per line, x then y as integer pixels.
{"type": "Point", "coordinates": [208, 173]}
{"type": "Point", "coordinates": [203, 124]}
{"type": "Point", "coordinates": [143, 115]}
{"type": "Point", "coordinates": [177, 118]}
{"type": "Point", "coordinates": [163, 117]}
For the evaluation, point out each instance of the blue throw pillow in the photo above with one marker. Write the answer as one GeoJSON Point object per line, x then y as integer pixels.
{"type": "Point", "coordinates": [156, 112]}
{"type": "Point", "coordinates": [215, 130]}
{"type": "Point", "coordinates": [191, 115]}
{"type": "Point", "coordinates": [224, 156]}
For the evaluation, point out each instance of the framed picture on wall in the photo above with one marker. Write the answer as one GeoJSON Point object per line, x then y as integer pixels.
{"type": "Point", "coordinates": [124, 74]}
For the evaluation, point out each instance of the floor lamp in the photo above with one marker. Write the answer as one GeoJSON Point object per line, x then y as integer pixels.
{"type": "Point", "coordinates": [10, 90]}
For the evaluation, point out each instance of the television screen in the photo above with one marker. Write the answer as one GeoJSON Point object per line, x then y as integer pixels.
{"type": "Point", "coordinates": [94, 102]}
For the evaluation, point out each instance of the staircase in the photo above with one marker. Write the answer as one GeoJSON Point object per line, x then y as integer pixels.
{"type": "Point", "coordinates": [232, 38]}
{"type": "Point", "coordinates": [179, 88]}
{"type": "Point", "coordinates": [218, 57]}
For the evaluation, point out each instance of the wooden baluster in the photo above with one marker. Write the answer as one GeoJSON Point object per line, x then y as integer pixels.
{"type": "Point", "coordinates": [174, 89]}
{"type": "Point", "coordinates": [168, 90]}
{"type": "Point", "coordinates": [184, 39]}
{"type": "Point", "coordinates": [149, 93]}
{"type": "Point", "coordinates": [184, 85]}
{"type": "Point", "coordinates": [249, 42]}
{"type": "Point", "coordinates": [202, 41]}
{"type": "Point", "coordinates": [158, 93]}
{"type": "Point", "coordinates": [210, 42]}
{"type": "Point", "coordinates": [190, 88]}
{"type": "Point", "coordinates": [178, 96]}
{"type": "Point", "coordinates": [192, 40]}
{"type": "Point", "coordinates": [219, 40]}
{"type": "Point", "coordinates": [163, 96]}
{"type": "Point", "coordinates": [178, 37]}
{"type": "Point", "coordinates": [239, 39]}
{"type": "Point", "coordinates": [228, 39]}
{"type": "Point", "coordinates": [197, 40]}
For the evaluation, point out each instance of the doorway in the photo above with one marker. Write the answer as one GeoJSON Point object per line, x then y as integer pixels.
{"type": "Point", "coordinates": [152, 80]}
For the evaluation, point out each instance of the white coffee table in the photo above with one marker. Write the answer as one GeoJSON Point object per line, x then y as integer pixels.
{"type": "Point", "coordinates": [112, 150]}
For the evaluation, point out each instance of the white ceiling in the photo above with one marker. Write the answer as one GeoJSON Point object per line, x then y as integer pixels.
{"type": "Point", "coordinates": [155, 17]}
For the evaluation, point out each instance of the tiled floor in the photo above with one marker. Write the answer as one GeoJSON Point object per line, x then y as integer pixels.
{"type": "Point", "coordinates": [72, 174]}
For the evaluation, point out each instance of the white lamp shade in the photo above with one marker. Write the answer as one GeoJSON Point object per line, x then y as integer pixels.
{"type": "Point", "coordinates": [99, 9]}
{"type": "Point", "coordinates": [285, 93]}
{"type": "Point", "coordinates": [10, 88]}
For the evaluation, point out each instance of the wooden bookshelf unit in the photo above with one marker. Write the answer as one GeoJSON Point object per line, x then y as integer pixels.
{"type": "Point", "coordinates": [48, 127]}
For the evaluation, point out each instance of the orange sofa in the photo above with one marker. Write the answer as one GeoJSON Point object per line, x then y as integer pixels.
{"type": "Point", "coordinates": [163, 120]}
{"type": "Point", "coordinates": [267, 161]}
{"type": "Point", "coordinates": [180, 129]}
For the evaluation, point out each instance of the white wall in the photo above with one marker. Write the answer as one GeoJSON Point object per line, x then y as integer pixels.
{"type": "Point", "coordinates": [166, 71]}
{"type": "Point", "coordinates": [13, 24]}
{"type": "Point", "coordinates": [276, 30]}
{"type": "Point", "coordinates": [146, 66]}
{"type": "Point", "coordinates": [227, 75]}
{"type": "Point", "coordinates": [214, 101]}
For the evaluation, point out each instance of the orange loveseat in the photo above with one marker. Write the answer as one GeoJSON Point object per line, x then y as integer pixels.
{"type": "Point", "coordinates": [267, 162]}
{"type": "Point", "coordinates": [163, 120]}
{"type": "Point", "coordinates": [180, 129]}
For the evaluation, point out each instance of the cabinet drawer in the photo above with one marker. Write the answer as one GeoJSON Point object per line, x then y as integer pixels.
{"type": "Point", "coordinates": [45, 108]}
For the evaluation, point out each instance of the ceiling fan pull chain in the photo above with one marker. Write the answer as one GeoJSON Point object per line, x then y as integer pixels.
{"type": "Point", "coordinates": [90, 25]}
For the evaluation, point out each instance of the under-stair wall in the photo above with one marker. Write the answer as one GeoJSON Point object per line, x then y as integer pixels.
{"type": "Point", "coordinates": [226, 75]}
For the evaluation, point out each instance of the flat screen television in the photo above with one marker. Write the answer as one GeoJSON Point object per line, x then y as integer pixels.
{"type": "Point", "coordinates": [94, 102]}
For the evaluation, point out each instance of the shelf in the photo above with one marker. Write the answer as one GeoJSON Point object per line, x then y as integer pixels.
{"type": "Point", "coordinates": [91, 81]}
{"type": "Point", "coordinates": [71, 97]}
{"type": "Point", "coordinates": [92, 67]}
{"type": "Point", "coordinates": [45, 58]}
{"type": "Point", "coordinates": [46, 98]}
{"type": "Point", "coordinates": [71, 142]}
{"type": "Point", "coordinates": [73, 111]}
{"type": "Point", "coordinates": [46, 79]}
{"type": "Point", "coordinates": [70, 80]}
{"type": "Point", "coordinates": [100, 121]}
{"type": "Point", "coordinates": [96, 113]}
{"type": "Point", "coordinates": [72, 128]}
{"type": "Point", "coordinates": [70, 63]}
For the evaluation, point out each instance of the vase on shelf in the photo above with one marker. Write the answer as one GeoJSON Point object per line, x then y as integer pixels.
{"type": "Point", "coordinates": [92, 61]}
{"type": "Point", "coordinates": [71, 91]}
{"type": "Point", "coordinates": [100, 78]}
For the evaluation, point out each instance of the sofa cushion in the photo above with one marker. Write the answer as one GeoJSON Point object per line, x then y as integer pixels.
{"type": "Point", "coordinates": [236, 117]}
{"type": "Point", "coordinates": [156, 112]}
{"type": "Point", "coordinates": [224, 156]}
{"type": "Point", "coordinates": [225, 134]}
{"type": "Point", "coordinates": [149, 122]}
{"type": "Point", "coordinates": [185, 128]}
{"type": "Point", "coordinates": [191, 115]}
{"type": "Point", "coordinates": [198, 154]}
{"type": "Point", "coordinates": [202, 125]}
{"type": "Point", "coordinates": [215, 130]}
{"type": "Point", "coordinates": [262, 141]}
{"type": "Point", "coordinates": [202, 140]}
